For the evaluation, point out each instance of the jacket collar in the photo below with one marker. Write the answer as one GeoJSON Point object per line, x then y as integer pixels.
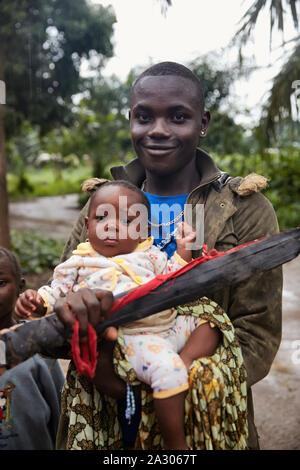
{"type": "Point", "coordinates": [135, 172]}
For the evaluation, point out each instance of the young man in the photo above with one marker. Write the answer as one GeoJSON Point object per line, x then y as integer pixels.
{"type": "Point", "coordinates": [167, 118]}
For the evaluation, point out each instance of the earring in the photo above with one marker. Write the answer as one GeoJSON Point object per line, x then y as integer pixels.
{"type": "Point", "coordinates": [202, 132]}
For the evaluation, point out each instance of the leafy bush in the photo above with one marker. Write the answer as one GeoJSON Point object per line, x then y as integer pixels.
{"type": "Point", "coordinates": [36, 253]}
{"type": "Point", "coordinates": [44, 182]}
{"type": "Point", "coordinates": [281, 167]}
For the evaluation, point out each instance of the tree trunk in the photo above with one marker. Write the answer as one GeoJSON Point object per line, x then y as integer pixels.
{"type": "Point", "coordinates": [4, 217]}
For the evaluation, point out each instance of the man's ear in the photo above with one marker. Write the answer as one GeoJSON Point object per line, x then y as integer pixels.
{"type": "Point", "coordinates": [205, 123]}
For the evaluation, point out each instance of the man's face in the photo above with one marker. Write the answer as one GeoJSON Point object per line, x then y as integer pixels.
{"type": "Point", "coordinates": [166, 119]}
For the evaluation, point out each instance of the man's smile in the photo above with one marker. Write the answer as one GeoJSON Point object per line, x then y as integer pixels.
{"type": "Point", "coordinates": [160, 149]}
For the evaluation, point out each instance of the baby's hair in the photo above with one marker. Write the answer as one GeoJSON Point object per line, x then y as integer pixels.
{"type": "Point", "coordinates": [13, 261]}
{"type": "Point", "coordinates": [124, 184]}
{"type": "Point", "coordinates": [175, 69]}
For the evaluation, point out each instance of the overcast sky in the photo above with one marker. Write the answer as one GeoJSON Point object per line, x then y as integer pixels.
{"type": "Point", "coordinates": [189, 29]}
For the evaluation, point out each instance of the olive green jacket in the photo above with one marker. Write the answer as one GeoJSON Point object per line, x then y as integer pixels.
{"type": "Point", "coordinates": [230, 219]}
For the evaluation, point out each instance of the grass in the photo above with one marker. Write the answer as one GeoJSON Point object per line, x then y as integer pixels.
{"type": "Point", "coordinates": [48, 182]}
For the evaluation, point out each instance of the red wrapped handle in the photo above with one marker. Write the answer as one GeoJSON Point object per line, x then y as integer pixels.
{"type": "Point", "coordinates": [85, 365]}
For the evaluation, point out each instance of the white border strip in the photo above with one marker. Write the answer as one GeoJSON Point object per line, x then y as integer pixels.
{"type": "Point", "coordinates": [2, 352]}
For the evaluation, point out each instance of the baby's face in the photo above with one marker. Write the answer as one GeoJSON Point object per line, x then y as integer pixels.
{"type": "Point", "coordinates": [117, 222]}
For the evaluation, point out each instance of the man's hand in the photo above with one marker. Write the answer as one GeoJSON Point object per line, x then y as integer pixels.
{"type": "Point", "coordinates": [89, 306]}
{"type": "Point", "coordinates": [92, 306]}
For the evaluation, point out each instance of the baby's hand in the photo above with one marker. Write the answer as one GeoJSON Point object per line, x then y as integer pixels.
{"type": "Point", "coordinates": [30, 303]}
{"type": "Point", "coordinates": [185, 236]}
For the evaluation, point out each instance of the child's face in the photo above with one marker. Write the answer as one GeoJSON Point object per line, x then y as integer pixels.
{"type": "Point", "coordinates": [166, 119]}
{"type": "Point", "coordinates": [9, 288]}
{"type": "Point", "coordinates": [111, 229]}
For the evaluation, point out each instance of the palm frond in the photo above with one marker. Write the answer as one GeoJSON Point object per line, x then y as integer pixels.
{"type": "Point", "coordinates": [164, 5]}
{"type": "Point", "coordinates": [278, 9]}
{"type": "Point", "coordinates": [293, 5]}
{"type": "Point", "coordinates": [249, 20]}
{"type": "Point", "coordinates": [279, 107]}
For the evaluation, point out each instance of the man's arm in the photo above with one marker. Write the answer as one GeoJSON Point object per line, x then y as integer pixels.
{"type": "Point", "coordinates": [105, 379]}
{"type": "Point", "coordinates": [255, 306]}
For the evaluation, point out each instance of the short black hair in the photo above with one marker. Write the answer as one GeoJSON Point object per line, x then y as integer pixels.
{"type": "Point", "coordinates": [124, 184]}
{"type": "Point", "coordinates": [14, 263]}
{"type": "Point", "coordinates": [175, 69]}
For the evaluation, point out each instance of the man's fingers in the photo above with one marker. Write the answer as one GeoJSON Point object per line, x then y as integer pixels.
{"type": "Point", "coordinates": [93, 307]}
{"type": "Point", "coordinates": [107, 299]}
{"type": "Point", "coordinates": [90, 306]}
{"type": "Point", "coordinates": [78, 306]}
{"type": "Point", "coordinates": [62, 310]}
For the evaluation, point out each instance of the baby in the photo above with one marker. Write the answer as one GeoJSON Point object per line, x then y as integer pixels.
{"type": "Point", "coordinates": [120, 256]}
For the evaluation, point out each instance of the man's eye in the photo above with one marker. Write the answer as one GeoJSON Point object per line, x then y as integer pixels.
{"type": "Point", "coordinates": [2, 283]}
{"type": "Point", "coordinates": [142, 117]}
{"type": "Point", "coordinates": [179, 117]}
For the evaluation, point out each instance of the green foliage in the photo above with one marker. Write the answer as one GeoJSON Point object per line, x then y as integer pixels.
{"type": "Point", "coordinates": [225, 136]}
{"type": "Point", "coordinates": [282, 106]}
{"type": "Point", "coordinates": [22, 151]}
{"type": "Point", "coordinates": [215, 79]}
{"type": "Point", "coordinates": [41, 48]}
{"type": "Point", "coordinates": [281, 167]}
{"type": "Point", "coordinates": [278, 108]}
{"type": "Point", "coordinates": [36, 253]}
{"type": "Point", "coordinates": [102, 128]}
{"type": "Point", "coordinates": [44, 182]}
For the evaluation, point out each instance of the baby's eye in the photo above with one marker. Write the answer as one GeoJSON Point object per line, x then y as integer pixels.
{"type": "Point", "coordinates": [2, 283]}
{"type": "Point", "coordinates": [125, 221]}
{"type": "Point", "coordinates": [100, 218]}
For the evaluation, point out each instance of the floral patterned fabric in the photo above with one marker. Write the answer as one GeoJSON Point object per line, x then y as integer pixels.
{"type": "Point", "coordinates": [215, 404]}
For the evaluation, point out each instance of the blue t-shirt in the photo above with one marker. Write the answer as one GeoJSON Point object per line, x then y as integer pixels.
{"type": "Point", "coordinates": [164, 209]}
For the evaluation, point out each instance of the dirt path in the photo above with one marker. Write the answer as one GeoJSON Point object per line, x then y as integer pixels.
{"type": "Point", "coordinates": [277, 396]}
{"type": "Point", "coordinates": [52, 217]}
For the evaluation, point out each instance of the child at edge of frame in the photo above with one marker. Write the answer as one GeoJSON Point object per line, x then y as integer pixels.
{"type": "Point", "coordinates": [30, 392]}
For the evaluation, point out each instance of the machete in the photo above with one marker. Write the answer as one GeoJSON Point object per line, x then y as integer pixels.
{"type": "Point", "coordinates": [49, 337]}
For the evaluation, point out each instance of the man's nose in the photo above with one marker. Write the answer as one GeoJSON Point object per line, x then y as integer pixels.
{"type": "Point", "coordinates": [159, 129]}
